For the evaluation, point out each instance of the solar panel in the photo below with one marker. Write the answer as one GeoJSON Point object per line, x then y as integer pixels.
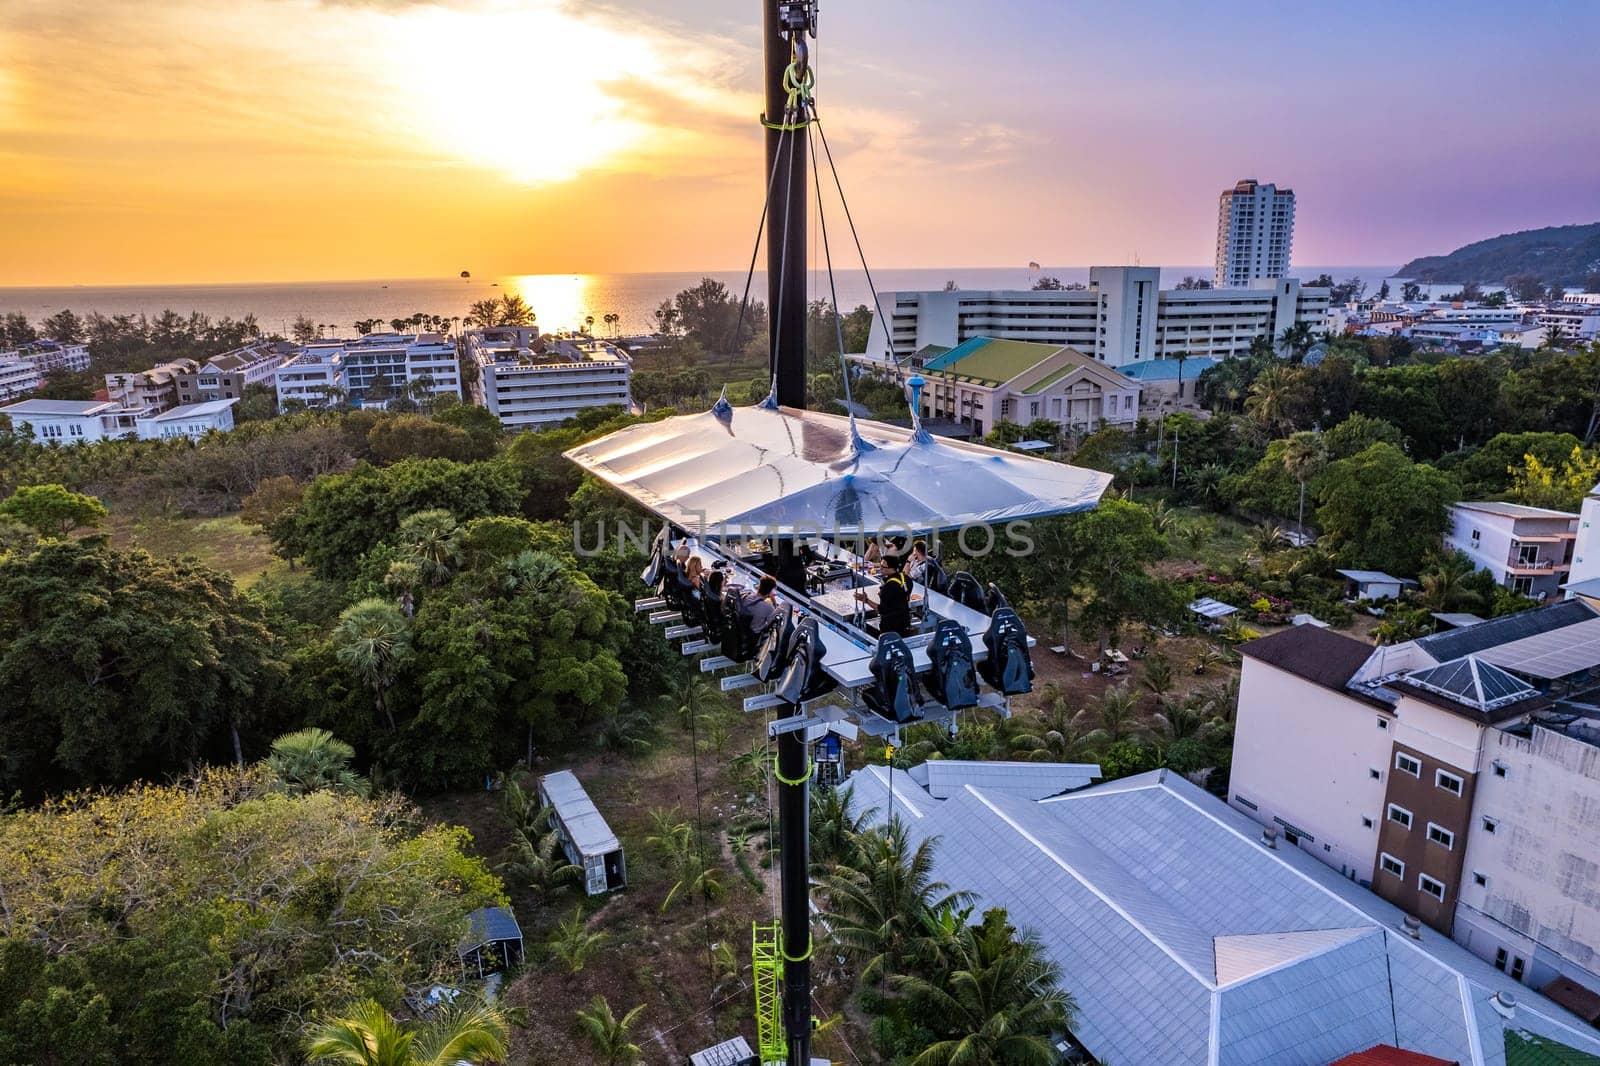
{"type": "Point", "coordinates": [1551, 655]}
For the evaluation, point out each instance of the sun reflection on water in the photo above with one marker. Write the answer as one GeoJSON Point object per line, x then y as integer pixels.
{"type": "Point", "coordinates": [562, 301]}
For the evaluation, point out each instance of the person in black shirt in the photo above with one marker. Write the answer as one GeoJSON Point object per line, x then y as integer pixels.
{"type": "Point", "coordinates": [894, 599]}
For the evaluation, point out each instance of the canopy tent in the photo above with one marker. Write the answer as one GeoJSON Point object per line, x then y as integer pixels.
{"type": "Point", "coordinates": [787, 472]}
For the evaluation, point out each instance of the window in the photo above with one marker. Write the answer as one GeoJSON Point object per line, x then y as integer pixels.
{"type": "Point", "coordinates": [1500, 958]}
{"type": "Point", "coordinates": [1527, 554]}
{"type": "Point", "coordinates": [1431, 887]}
{"type": "Point", "coordinates": [1489, 825]}
{"type": "Point", "coordinates": [1480, 880]}
{"type": "Point", "coordinates": [1516, 967]}
{"type": "Point", "coordinates": [1477, 535]}
{"type": "Point", "coordinates": [1522, 586]}
{"type": "Point", "coordinates": [1383, 723]}
{"type": "Point", "coordinates": [1391, 865]}
{"type": "Point", "coordinates": [1377, 775]}
{"type": "Point", "coordinates": [1499, 769]}
{"type": "Point", "coordinates": [1440, 835]}
{"type": "Point", "coordinates": [1366, 823]}
{"type": "Point", "coordinates": [1405, 762]}
{"type": "Point", "coordinates": [1245, 803]}
{"type": "Point", "coordinates": [1399, 815]}
{"type": "Point", "coordinates": [1448, 781]}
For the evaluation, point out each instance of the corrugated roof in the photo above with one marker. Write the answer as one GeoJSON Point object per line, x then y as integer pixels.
{"type": "Point", "coordinates": [1389, 1055]}
{"type": "Point", "coordinates": [993, 361]}
{"type": "Point", "coordinates": [489, 925]}
{"type": "Point", "coordinates": [1443, 647]}
{"type": "Point", "coordinates": [1513, 510]}
{"type": "Point", "coordinates": [585, 826]}
{"type": "Point", "coordinates": [943, 778]}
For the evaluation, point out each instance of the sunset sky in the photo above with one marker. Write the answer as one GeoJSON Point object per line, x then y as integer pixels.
{"type": "Point", "coordinates": [260, 140]}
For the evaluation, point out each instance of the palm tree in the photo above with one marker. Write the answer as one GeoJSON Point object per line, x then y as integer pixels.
{"type": "Point", "coordinates": [572, 942]}
{"type": "Point", "coordinates": [1304, 456]}
{"type": "Point", "coordinates": [1272, 398]}
{"type": "Point", "coordinates": [1114, 717]}
{"type": "Point", "coordinates": [875, 907]}
{"type": "Point", "coordinates": [538, 861]}
{"type": "Point", "coordinates": [368, 1036]}
{"type": "Point", "coordinates": [999, 1004]}
{"type": "Point", "coordinates": [835, 828]}
{"type": "Point", "coordinates": [687, 692]}
{"type": "Point", "coordinates": [1297, 340]}
{"type": "Point", "coordinates": [1206, 484]}
{"type": "Point", "coordinates": [1163, 517]}
{"type": "Point", "coordinates": [313, 759]}
{"type": "Point", "coordinates": [372, 639]}
{"type": "Point", "coordinates": [609, 1034]}
{"type": "Point", "coordinates": [1063, 739]}
{"type": "Point", "coordinates": [1444, 585]}
{"type": "Point", "coordinates": [1195, 533]}
{"type": "Point", "coordinates": [432, 540]}
{"type": "Point", "coordinates": [1158, 675]}
{"type": "Point", "coordinates": [1268, 538]}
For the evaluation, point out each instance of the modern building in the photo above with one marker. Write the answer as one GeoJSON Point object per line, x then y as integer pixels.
{"type": "Point", "coordinates": [52, 356]}
{"type": "Point", "coordinates": [1526, 549]}
{"type": "Point", "coordinates": [1584, 577]}
{"type": "Point", "coordinates": [983, 382]}
{"type": "Point", "coordinates": [1457, 775]}
{"type": "Point", "coordinates": [1573, 323]}
{"type": "Point", "coordinates": [1124, 316]}
{"type": "Point", "coordinates": [1255, 232]}
{"type": "Point", "coordinates": [1188, 936]}
{"type": "Point", "coordinates": [155, 389]}
{"type": "Point", "coordinates": [530, 381]}
{"type": "Point", "coordinates": [1167, 381]}
{"type": "Point", "coordinates": [19, 376]}
{"type": "Point", "coordinates": [79, 421]}
{"type": "Point", "coordinates": [226, 376]}
{"type": "Point", "coordinates": [369, 370]}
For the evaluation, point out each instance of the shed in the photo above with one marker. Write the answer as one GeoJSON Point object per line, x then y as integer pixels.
{"type": "Point", "coordinates": [1212, 610]}
{"type": "Point", "coordinates": [1374, 584]}
{"type": "Point", "coordinates": [1033, 446]}
{"type": "Point", "coordinates": [585, 837]}
{"type": "Point", "coordinates": [493, 941]}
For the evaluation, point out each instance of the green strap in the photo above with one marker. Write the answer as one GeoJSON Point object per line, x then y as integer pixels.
{"type": "Point", "coordinates": [811, 768]}
{"type": "Point", "coordinates": [799, 90]}
{"type": "Point", "coordinates": [811, 944]}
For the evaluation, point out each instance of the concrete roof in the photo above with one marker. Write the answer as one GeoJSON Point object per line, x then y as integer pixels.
{"type": "Point", "coordinates": [194, 410]}
{"type": "Point", "coordinates": [1184, 940]}
{"type": "Point", "coordinates": [58, 407]}
{"type": "Point", "coordinates": [1513, 510]}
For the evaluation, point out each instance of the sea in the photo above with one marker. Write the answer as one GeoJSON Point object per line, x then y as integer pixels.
{"type": "Point", "coordinates": [561, 301]}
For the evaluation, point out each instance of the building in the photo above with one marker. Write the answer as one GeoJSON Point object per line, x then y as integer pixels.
{"type": "Point", "coordinates": [1457, 775]}
{"type": "Point", "coordinates": [78, 421]}
{"type": "Point", "coordinates": [529, 381]}
{"type": "Point", "coordinates": [1122, 317]}
{"type": "Point", "coordinates": [1255, 232]}
{"type": "Point", "coordinates": [226, 376]}
{"type": "Point", "coordinates": [1373, 584]}
{"type": "Point", "coordinates": [369, 371]}
{"type": "Point", "coordinates": [155, 389]}
{"type": "Point", "coordinates": [1573, 323]}
{"type": "Point", "coordinates": [587, 839]}
{"type": "Point", "coordinates": [1189, 936]}
{"type": "Point", "coordinates": [1584, 577]}
{"type": "Point", "coordinates": [1167, 381]}
{"type": "Point", "coordinates": [53, 356]}
{"type": "Point", "coordinates": [1526, 549]}
{"type": "Point", "coordinates": [19, 376]}
{"type": "Point", "coordinates": [983, 382]}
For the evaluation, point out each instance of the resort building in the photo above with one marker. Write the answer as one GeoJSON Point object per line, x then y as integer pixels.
{"type": "Point", "coordinates": [19, 376]}
{"type": "Point", "coordinates": [226, 376]}
{"type": "Point", "coordinates": [154, 390]}
{"type": "Point", "coordinates": [1526, 549]}
{"type": "Point", "coordinates": [1584, 577]}
{"type": "Point", "coordinates": [1255, 232]}
{"type": "Point", "coordinates": [1573, 323]}
{"type": "Point", "coordinates": [370, 370]}
{"type": "Point", "coordinates": [1123, 317]}
{"type": "Point", "coordinates": [1188, 935]}
{"type": "Point", "coordinates": [983, 382]}
{"type": "Point", "coordinates": [52, 356]}
{"type": "Point", "coordinates": [1456, 775]}
{"type": "Point", "coordinates": [79, 421]}
{"type": "Point", "coordinates": [530, 381]}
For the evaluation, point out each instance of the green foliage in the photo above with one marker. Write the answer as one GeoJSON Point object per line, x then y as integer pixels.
{"type": "Point", "coordinates": [312, 759]}
{"type": "Point", "coordinates": [114, 665]}
{"type": "Point", "coordinates": [408, 436]}
{"type": "Point", "coordinates": [53, 510]}
{"type": "Point", "coordinates": [1359, 432]}
{"type": "Point", "coordinates": [572, 943]}
{"type": "Point", "coordinates": [365, 1035]}
{"type": "Point", "coordinates": [1486, 472]}
{"type": "Point", "coordinates": [610, 1035]}
{"type": "Point", "coordinates": [1126, 758]}
{"type": "Point", "coordinates": [1379, 510]}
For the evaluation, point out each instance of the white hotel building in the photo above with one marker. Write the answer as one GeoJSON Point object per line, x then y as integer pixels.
{"type": "Point", "coordinates": [324, 370]}
{"type": "Point", "coordinates": [1124, 316]}
{"type": "Point", "coordinates": [19, 376]}
{"type": "Point", "coordinates": [1255, 233]}
{"type": "Point", "coordinates": [83, 421]}
{"type": "Point", "coordinates": [529, 382]}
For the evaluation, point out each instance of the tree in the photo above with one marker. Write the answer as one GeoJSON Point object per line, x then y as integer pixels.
{"type": "Point", "coordinates": [114, 665]}
{"type": "Point", "coordinates": [366, 1035]}
{"type": "Point", "coordinates": [1277, 398]}
{"type": "Point", "coordinates": [304, 331]}
{"type": "Point", "coordinates": [372, 639]}
{"type": "Point", "coordinates": [1296, 340]}
{"type": "Point", "coordinates": [409, 436]}
{"type": "Point", "coordinates": [1488, 471]}
{"type": "Point", "coordinates": [1448, 582]}
{"type": "Point", "coordinates": [1525, 288]}
{"type": "Point", "coordinates": [1380, 510]}
{"type": "Point", "coordinates": [1304, 456]}
{"type": "Point", "coordinates": [999, 1003]}
{"type": "Point", "coordinates": [572, 942]}
{"type": "Point", "coordinates": [608, 1034]}
{"type": "Point", "coordinates": [312, 759]}
{"type": "Point", "coordinates": [1559, 487]}
{"type": "Point", "coordinates": [53, 510]}
{"type": "Point", "coordinates": [1358, 433]}
{"type": "Point", "coordinates": [1410, 291]}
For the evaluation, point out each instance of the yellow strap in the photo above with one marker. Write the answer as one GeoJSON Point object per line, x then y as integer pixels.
{"type": "Point", "coordinates": [811, 944]}
{"type": "Point", "coordinates": [811, 768]}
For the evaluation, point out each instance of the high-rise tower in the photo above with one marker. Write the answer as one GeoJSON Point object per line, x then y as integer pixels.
{"type": "Point", "coordinates": [1255, 229]}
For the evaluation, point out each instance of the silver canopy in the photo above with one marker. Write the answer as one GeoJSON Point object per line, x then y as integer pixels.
{"type": "Point", "coordinates": [784, 472]}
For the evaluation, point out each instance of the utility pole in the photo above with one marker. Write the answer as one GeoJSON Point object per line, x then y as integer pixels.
{"type": "Point", "coordinates": [785, 25]}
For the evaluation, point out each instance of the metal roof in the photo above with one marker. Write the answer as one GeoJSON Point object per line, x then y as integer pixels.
{"type": "Point", "coordinates": [584, 825]}
{"type": "Point", "coordinates": [1206, 607]}
{"type": "Point", "coordinates": [1184, 940]}
{"type": "Point", "coordinates": [58, 407]}
{"type": "Point", "coordinates": [735, 1052]}
{"type": "Point", "coordinates": [1374, 577]}
{"type": "Point", "coordinates": [1443, 647]}
{"type": "Point", "coordinates": [195, 410]}
{"type": "Point", "coordinates": [1587, 587]}
{"type": "Point", "coordinates": [943, 778]}
{"type": "Point", "coordinates": [489, 925]}
{"type": "Point", "coordinates": [1514, 510]}
{"type": "Point", "coordinates": [1559, 653]}
{"type": "Point", "coordinates": [984, 359]}
{"type": "Point", "coordinates": [1167, 369]}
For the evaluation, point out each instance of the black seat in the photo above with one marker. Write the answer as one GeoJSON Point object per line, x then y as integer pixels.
{"type": "Point", "coordinates": [894, 693]}
{"type": "Point", "coordinates": [934, 577]}
{"type": "Point", "coordinates": [995, 599]}
{"type": "Point", "coordinates": [772, 652]}
{"type": "Point", "coordinates": [1008, 667]}
{"type": "Point", "coordinates": [953, 680]}
{"type": "Point", "coordinates": [711, 604]}
{"type": "Point", "coordinates": [803, 676]}
{"type": "Point", "coordinates": [965, 590]}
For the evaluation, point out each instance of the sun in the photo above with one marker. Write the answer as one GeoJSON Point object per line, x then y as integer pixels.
{"type": "Point", "coordinates": [531, 94]}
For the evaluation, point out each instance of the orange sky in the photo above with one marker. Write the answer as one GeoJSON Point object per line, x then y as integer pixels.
{"type": "Point", "coordinates": [149, 141]}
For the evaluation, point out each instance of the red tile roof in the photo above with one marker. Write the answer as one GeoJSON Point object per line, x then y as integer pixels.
{"type": "Point", "coordinates": [1385, 1055]}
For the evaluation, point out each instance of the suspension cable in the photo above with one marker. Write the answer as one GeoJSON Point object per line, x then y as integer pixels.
{"type": "Point", "coordinates": [833, 289]}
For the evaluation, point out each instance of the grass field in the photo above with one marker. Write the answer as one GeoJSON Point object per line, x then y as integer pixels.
{"type": "Point", "coordinates": [225, 543]}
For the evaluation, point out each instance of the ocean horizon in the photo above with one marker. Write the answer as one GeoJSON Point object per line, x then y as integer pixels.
{"type": "Point", "coordinates": [561, 301]}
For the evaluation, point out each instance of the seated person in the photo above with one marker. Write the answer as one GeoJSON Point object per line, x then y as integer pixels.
{"type": "Point", "coordinates": [681, 555]}
{"type": "Point", "coordinates": [917, 565]}
{"type": "Point", "coordinates": [894, 599]}
{"type": "Point", "coordinates": [694, 573]}
{"type": "Point", "coordinates": [761, 605]}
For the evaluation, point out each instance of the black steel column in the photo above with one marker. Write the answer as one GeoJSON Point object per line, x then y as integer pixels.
{"type": "Point", "coordinates": [786, 221]}
{"type": "Point", "coordinates": [786, 306]}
